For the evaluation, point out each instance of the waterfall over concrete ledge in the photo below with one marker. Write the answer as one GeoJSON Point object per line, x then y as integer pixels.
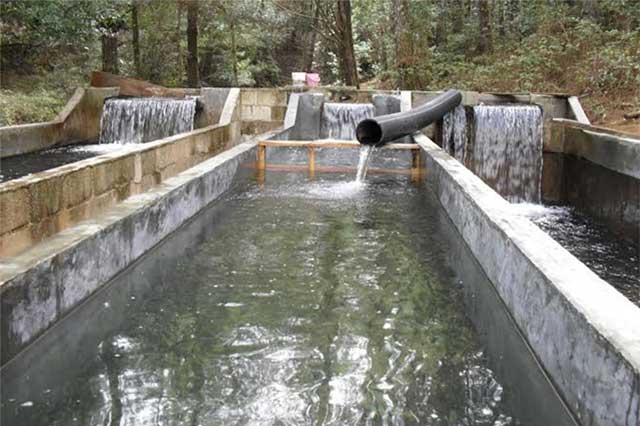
{"type": "Point", "coordinates": [139, 120]}
{"type": "Point", "coordinates": [339, 121]}
{"type": "Point", "coordinates": [502, 144]}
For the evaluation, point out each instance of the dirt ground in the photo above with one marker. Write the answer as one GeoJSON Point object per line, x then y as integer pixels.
{"type": "Point", "coordinates": [615, 120]}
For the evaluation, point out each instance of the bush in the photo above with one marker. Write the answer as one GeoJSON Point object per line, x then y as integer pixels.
{"type": "Point", "coordinates": [37, 106]}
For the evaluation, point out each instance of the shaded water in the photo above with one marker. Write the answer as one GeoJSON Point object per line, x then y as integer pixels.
{"type": "Point", "coordinates": [295, 303]}
{"type": "Point", "coordinates": [138, 120]}
{"type": "Point", "coordinates": [35, 162]}
{"type": "Point", "coordinates": [502, 144]}
{"type": "Point", "coordinates": [339, 120]}
{"type": "Point", "coordinates": [614, 260]}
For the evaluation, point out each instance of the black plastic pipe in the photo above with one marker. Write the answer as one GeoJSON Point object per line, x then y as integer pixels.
{"type": "Point", "coordinates": [386, 128]}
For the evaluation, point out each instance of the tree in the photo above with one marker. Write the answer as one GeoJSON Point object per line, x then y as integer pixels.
{"type": "Point", "coordinates": [484, 14]}
{"type": "Point", "coordinates": [135, 36]}
{"type": "Point", "coordinates": [110, 23]}
{"type": "Point", "coordinates": [405, 60]}
{"type": "Point", "coordinates": [310, 45]}
{"type": "Point", "coordinates": [441, 23]}
{"type": "Point", "coordinates": [193, 79]}
{"type": "Point", "coordinates": [347, 56]}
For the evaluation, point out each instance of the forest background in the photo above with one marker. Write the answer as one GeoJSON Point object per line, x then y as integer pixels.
{"type": "Point", "coordinates": [589, 48]}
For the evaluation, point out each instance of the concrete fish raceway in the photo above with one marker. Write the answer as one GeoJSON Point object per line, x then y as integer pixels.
{"type": "Point", "coordinates": [67, 231]}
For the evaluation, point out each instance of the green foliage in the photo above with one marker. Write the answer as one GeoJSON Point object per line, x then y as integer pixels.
{"type": "Point", "coordinates": [578, 47]}
{"type": "Point", "coordinates": [17, 108]}
{"type": "Point", "coordinates": [566, 54]}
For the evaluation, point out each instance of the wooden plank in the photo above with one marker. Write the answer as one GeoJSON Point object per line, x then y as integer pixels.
{"type": "Point", "coordinates": [333, 144]}
{"type": "Point", "coordinates": [416, 170]}
{"type": "Point", "coordinates": [312, 160]}
{"type": "Point", "coordinates": [262, 157]}
{"type": "Point", "coordinates": [133, 87]}
{"type": "Point", "coordinates": [333, 169]}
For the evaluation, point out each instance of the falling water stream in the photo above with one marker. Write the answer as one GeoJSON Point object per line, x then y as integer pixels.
{"type": "Point", "coordinates": [339, 121]}
{"type": "Point", "coordinates": [363, 162]}
{"type": "Point", "coordinates": [502, 144]}
{"type": "Point", "coordinates": [138, 120]}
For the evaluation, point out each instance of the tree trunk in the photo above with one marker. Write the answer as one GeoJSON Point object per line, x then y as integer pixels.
{"type": "Point", "coordinates": [441, 24]}
{"type": "Point", "coordinates": [458, 15]}
{"type": "Point", "coordinates": [178, 36]}
{"type": "Point", "coordinates": [110, 53]}
{"type": "Point", "coordinates": [500, 12]}
{"type": "Point", "coordinates": [512, 17]}
{"type": "Point", "coordinates": [310, 48]}
{"type": "Point", "coordinates": [404, 44]}
{"type": "Point", "coordinates": [346, 52]}
{"type": "Point", "coordinates": [398, 25]}
{"type": "Point", "coordinates": [484, 40]}
{"type": "Point", "coordinates": [193, 79]}
{"type": "Point", "coordinates": [234, 57]}
{"type": "Point", "coordinates": [135, 29]}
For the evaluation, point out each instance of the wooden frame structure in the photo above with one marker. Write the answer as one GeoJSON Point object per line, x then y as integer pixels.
{"type": "Point", "coordinates": [415, 171]}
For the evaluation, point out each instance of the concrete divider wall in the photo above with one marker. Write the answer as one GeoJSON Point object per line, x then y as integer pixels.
{"type": "Point", "coordinates": [598, 171]}
{"type": "Point", "coordinates": [265, 109]}
{"type": "Point", "coordinates": [37, 206]}
{"type": "Point", "coordinates": [41, 285]}
{"type": "Point", "coordinates": [585, 334]}
{"type": "Point", "coordinates": [212, 100]}
{"type": "Point", "coordinates": [262, 110]}
{"type": "Point", "coordinates": [78, 121]}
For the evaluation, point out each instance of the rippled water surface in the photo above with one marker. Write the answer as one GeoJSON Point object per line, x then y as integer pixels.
{"type": "Point", "coordinates": [615, 260]}
{"type": "Point", "coordinates": [34, 162]}
{"type": "Point", "coordinates": [300, 303]}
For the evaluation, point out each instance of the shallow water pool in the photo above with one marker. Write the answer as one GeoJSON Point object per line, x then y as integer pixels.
{"type": "Point", "coordinates": [288, 302]}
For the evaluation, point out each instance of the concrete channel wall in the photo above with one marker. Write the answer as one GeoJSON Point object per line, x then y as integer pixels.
{"type": "Point", "coordinates": [598, 171]}
{"type": "Point", "coordinates": [41, 285]}
{"type": "Point", "coordinates": [584, 333]}
{"type": "Point", "coordinates": [262, 110]}
{"type": "Point", "coordinates": [37, 206]}
{"type": "Point", "coordinates": [78, 121]}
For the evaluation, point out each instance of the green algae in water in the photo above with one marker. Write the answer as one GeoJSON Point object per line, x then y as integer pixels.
{"type": "Point", "coordinates": [298, 302]}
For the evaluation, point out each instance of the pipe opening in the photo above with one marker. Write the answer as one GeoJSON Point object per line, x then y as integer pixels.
{"type": "Point", "coordinates": [369, 132]}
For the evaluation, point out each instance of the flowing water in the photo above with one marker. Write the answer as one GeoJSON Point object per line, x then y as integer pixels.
{"type": "Point", "coordinates": [614, 260]}
{"type": "Point", "coordinates": [35, 162]}
{"type": "Point", "coordinates": [502, 144]}
{"type": "Point", "coordinates": [138, 120]}
{"type": "Point", "coordinates": [455, 130]}
{"type": "Point", "coordinates": [363, 162]}
{"type": "Point", "coordinates": [286, 303]}
{"type": "Point", "coordinates": [339, 120]}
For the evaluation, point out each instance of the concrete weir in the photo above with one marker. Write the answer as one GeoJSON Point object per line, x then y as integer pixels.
{"type": "Point", "coordinates": [37, 206]}
{"type": "Point", "coordinates": [580, 328]}
{"type": "Point", "coordinates": [67, 231]}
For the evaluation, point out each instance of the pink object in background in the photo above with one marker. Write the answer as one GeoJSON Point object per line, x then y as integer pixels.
{"type": "Point", "coordinates": [313, 79]}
